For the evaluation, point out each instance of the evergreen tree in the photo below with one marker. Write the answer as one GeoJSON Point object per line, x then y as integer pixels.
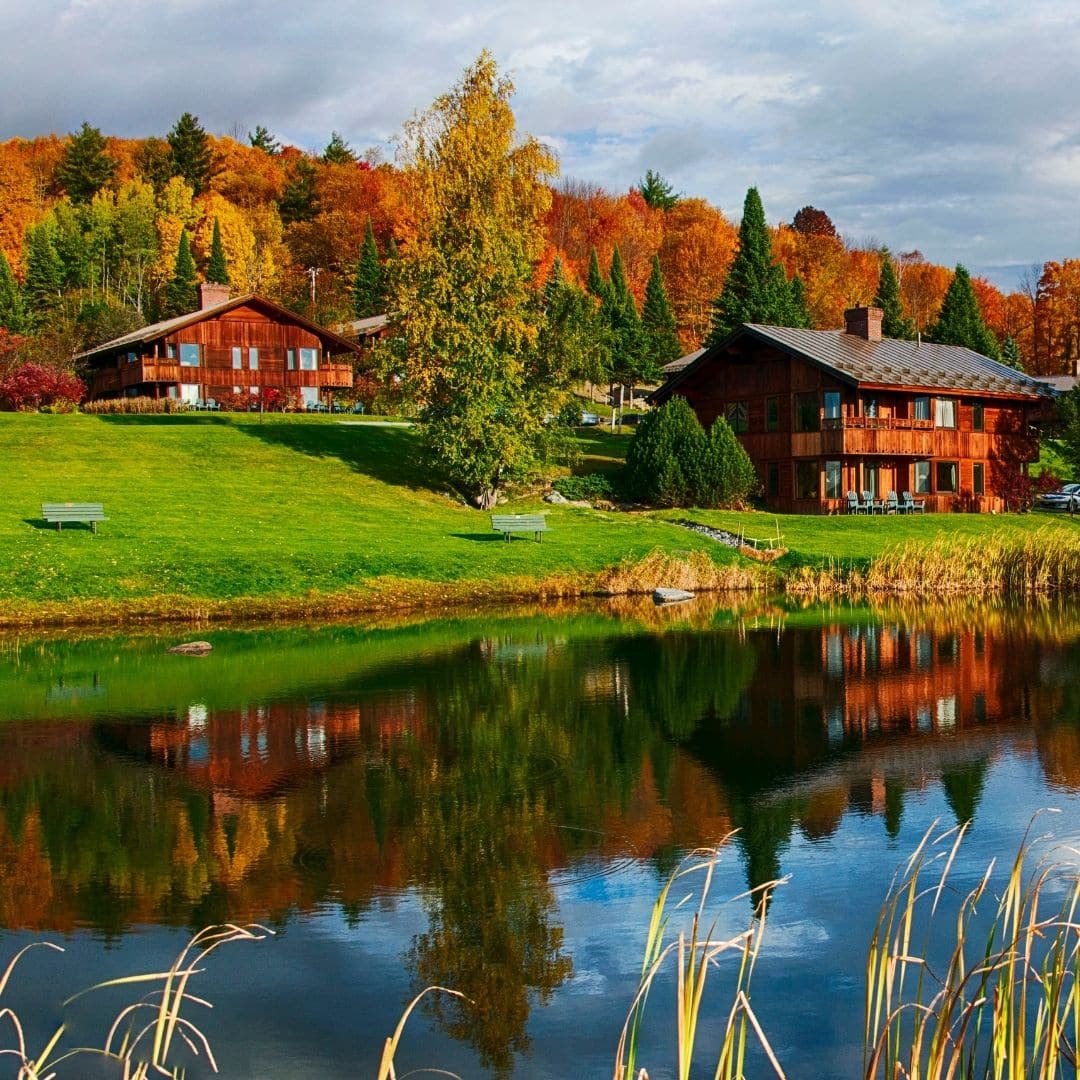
{"type": "Point", "coordinates": [70, 240]}
{"type": "Point", "coordinates": [44, 275]}
{"type": "Point", "coordinates": [299, 199]}
{"type": "Point", "coordinates": [217, 269]}
{"type": "Point", "coordinates": [86, 166]}
{"type": "Point", "coordinates": [960, 321]}
{"type": "Point", "coordinates": [11, 306]}
{"type": "Point", "coordinates": [192, 156]}
{"type": "Point", "coordinates": [261, 139]}
{"type": "Point", "coordinates": [181, 295]}
{"type": "Point", "coordinates": [658, 320]}
{"type": "Point", "coordinates": [894, 324]}
{"type": "Point", "coordinates": [154, 160]}
{"type": "Point", "coordinates": [657, 192]}
{"type": "Point", "coordinates": [573, 342]}
{"type": "Point", "coordinates": [338, 151]}
{"type": "Point", "coordinates": [369, 284]}
{"type": "Point", "coordinates": [594, 280]}
{"type": "Point", "coordinates": [1010, 354]}
{"type": "Point", "coordinates": [798, 312]}
{"type": "Point", "coordinates": [756, 289]}
{"type": "Point", "coordinates": [629, 359]}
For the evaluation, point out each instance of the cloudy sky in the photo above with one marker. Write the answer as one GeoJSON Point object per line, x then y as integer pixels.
{"type": "Point", "coordinates": [953, 127]}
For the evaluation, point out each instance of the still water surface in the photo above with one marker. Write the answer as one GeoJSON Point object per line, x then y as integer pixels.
{"type": "Point", "coordinates": [493, 803]}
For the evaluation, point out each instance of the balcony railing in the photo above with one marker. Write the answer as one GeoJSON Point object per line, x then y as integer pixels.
{"type": "Point", "coordinates": [875, 423]}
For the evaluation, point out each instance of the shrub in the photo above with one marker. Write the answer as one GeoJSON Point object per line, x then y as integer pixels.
{"type": "Point", "coordinates": [134, 405]}
{"type": "Point", "coordinates": [672, 462]}
{"type": "Point", "coordinates": [35, 386]}
{"type": "Point", "coordinates": [591, 486]}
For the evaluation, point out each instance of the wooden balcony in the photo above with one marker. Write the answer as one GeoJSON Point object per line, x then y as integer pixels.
{"type": "Point", "coordinates": [883, 436]}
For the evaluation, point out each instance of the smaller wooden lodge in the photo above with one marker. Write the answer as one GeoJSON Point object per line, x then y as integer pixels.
{"type": "Point", "coordinates": [229, 346]}
{"type": "Point", "coordinates": [825, 412]}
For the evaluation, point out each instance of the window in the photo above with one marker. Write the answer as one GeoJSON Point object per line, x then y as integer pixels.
{"type": "Point", "coordinates": [738, 416]}
{"type": "Point", "coordinates": [237, 357]}
{"type": "Point", "coordinates": [132, 357]}
{"type": "Point", "coordinates": [922, 407]}
{"type": "Point", "coordinates": [772, 478]}
{"type": "Point", "coordinates": [946, 475]}
{"type": "Point", "coordinates": [832, 404]}
{"type": "Point", "coordinates": [807, 413]}
{"type": "Point", "coordinates": [978, 478]}
{"type": "Point", "coordinates": [833, 480]}
{"type": "Point", "coordinates": [772, 414]}
{"type": "Point", "coordinates": [309, 359]}
{"type": "Point", "coordinates": [253, 359]}
{"type": "Point", "coordinates": [977, 419]}
{"type": "Point", "coordinates": [922, 477]}
{"type": "Point", "coordinates": [170, 351]}
{"type": "Point", "coordinates": [189, 355]}
{"type": "Point", "coordinates": [870, 406]}
{"type": "Point", "coordinates": [945, 412]}
{"type": "Point", "coordinates": [807, 483]}
{"type": "Point", "coordinates": [290, 359]}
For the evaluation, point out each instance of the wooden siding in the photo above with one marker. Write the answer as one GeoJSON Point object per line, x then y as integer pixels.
{"type": "Point", "coordinates": [874, 427]}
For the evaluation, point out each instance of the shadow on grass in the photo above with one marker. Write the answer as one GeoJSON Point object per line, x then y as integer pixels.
{"type": "Point", "coordinates": [389, 454]}
{"type": "Point", "coordinates": [164, 419]}
{"type": "Point", "coordinates": [50, 526]}
{"type": "Point", "coordinates": [480, 538]}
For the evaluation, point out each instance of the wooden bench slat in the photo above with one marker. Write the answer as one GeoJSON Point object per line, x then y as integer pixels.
{"type": "Point", "coordinates": [58, 513]}
{"type": "Point", "coordinates": [526, 523]}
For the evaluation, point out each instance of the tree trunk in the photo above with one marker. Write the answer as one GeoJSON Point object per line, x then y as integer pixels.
{"type": "Point", "coordinates": [487, 498]}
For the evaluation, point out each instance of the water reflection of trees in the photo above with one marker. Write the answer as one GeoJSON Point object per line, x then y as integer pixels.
{"type": "Point", "coordinates": [478, 768]}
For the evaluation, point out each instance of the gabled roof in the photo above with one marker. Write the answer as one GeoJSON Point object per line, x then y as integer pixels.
{"type": "Point", "coordinates": [363, 327]}
{"type": "Point", "coordinates": [684, 361]}
{"type": "Point", "coordinates": [885, 363]}
{"type": "Point", "coordinates": [158, 330]}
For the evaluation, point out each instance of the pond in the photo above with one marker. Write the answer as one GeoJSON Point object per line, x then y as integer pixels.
{"type": "Point", "coordinates": [492, 803]}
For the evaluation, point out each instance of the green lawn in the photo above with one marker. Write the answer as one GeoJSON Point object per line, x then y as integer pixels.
{"type": "Point", "coordinates": [218, 507]}
{"type": "Point", "coordinates": [223, 506]}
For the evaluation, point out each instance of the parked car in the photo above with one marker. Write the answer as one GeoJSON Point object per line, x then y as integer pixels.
{"type": "Point", "coordinates": [1066, 498]}
{"type": "Point", "coordinates": [589, 419]}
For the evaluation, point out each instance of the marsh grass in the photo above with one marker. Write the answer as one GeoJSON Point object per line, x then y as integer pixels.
{"type": "Point", "coordinates": [691, 570]}
{"type": "Point", "coordinates": [1006, 1003]}
{"type": "Point", "coordinates": [696, 952]}
{"type": "Point", "coordinates": [143, 1035]}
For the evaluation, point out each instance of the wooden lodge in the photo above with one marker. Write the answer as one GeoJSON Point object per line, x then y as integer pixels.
{"type": "Point", "coordinates": [825, 412]}
{"type": "Point", "coordinates": [229, 346]}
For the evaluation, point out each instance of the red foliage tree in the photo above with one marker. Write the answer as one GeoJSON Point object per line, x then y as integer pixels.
{"type": "Point", "coordinates": [35, 386]}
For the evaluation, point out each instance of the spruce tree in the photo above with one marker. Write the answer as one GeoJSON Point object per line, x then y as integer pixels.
{"type": "Point", "coordinates": [299, 199]}
{"type": "Point", "coordinates": [629, 360]}
{"type": "Point", "coordinates": [154, 160]}
{"type": "Point", "coordinates": [181, 295]}
{"type": "Point", "coordinates": [11, 306]}
{"type": "Point", "coordinates": [594, 279]}
{"type": "Point", "coordinates": [217, 269]}
{"type": "Point", "coordinates": [44, 275]}
{"type": "Point", "coordinates": [756, 289]}
{"type": "Point", "coordinates": [369, 285]}
{"type": "Point", "coordinates": [894, 324]}
{"type": "Point", "coordinates": [798, 312]}
{"type": "Point", "coordinates": [192, 157]}
{"type": "Point", "coordinates": [960, 321]}
{"type": "Point", "coordinates": [86, 166]}
{"type": "Point", "coordinates": [1010, 354]}
{"type": "Point", "coordinates": [261, 139]}
{"type": "Point", "coordinates": [658, 320]}
{"type": "Point", "coordinates": [338, 151]}
{"type": "Point", "coordinates": [657, 192]}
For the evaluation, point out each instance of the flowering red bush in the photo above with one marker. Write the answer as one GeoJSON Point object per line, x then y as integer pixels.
{"type": "Point", "coordinates": [35, 386]}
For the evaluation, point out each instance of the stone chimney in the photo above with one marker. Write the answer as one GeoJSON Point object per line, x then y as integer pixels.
{"type": "Point", "coordinates": [864, 322]}
{"type": "Point", "coordinates": [211, 294]}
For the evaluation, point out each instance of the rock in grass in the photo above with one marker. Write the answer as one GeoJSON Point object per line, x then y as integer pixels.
{"type": "Point", "coordinates": [193, 648]}
{"type": "Point", "coordinates": [671, 596]}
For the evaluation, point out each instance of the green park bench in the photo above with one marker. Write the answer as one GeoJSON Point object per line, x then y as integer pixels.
{"type": "Point", "coordinates": [58, 513]}
{"type": "Point", "coordinates": [520, 523]}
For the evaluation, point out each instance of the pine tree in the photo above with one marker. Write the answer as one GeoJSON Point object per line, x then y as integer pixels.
{"type": "Point", "coordinates": [299, 199]}
{"type": "Point", "coordinates": [756, 289]}
{"type": "Point", "coordinates": [11, 306]}
{"type": "Point", "coordinates": [594, 280]}
{"type": "Point", "coordinates": [658, 320]}
{"type": "Point", "coordinates": [894, 324]}
{"type": "Point", "coordinates": [798, 312]}
{"type": "Point", "coordinates": [86, 166]}
{"type": "Point", "coordinates": [217, 269]}
{"type": "Point", "coordinates": [181, 295]}
{"type": "Point", "coordinates": [44, 275]}
{"type": "Point", "coordinates": [657, 192]}
{"type": "Point", "coordinates": [369, 285]}
{"type": "Point", "coordinates": [192, 156]}
{"type": "Point", "coordinates": [630, 362]}
{"type": "Point", "coordinates": [1010, 354]}
{"type": "Point", "coordinates": [261, 139]}
{"type": "Point", "coordinates": [154, 160]}
{"type": "Point", "coordinates": [338, 151]}
{"type": "Point", "coordinates": [960, 321]}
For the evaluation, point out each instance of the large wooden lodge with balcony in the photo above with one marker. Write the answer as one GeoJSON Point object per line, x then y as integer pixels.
{"type": "Point", "coordinates": [229, 346]}
{"type": "Point", "coordinates": [825, 412]}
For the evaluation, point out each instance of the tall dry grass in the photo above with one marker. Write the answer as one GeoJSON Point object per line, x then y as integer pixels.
{"type": "Point", "coordinates": [1045, 561]}
{"type": "Point", "coordinates": [693, 571]}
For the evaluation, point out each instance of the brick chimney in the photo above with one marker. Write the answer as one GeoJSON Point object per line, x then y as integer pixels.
{"type": "Point", "coordinates": [211, 294]}
{"type": "Point", "coordinates": [864, 322]}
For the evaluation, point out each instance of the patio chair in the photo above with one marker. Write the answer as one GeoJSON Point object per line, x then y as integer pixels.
{"type": "Point", "coordinates": [871, 504]}
{"type": "Point", "coordinates": [912, 506]}
{"type": "Point", "coordinates": [853, 504]}
{"type": "Point", "coordinates": [892, 504]}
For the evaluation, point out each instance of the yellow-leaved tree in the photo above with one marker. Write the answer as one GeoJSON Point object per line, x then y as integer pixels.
{"type": "Point", "coordinates": [466, 314]}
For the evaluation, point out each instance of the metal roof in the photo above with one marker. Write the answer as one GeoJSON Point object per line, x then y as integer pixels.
{"type": "Point", "coordinates": [888, 362]}
{"type": "Point", "coordinates": [362, 327]}
{"type": "Point", "coordinates": [682, 362]}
